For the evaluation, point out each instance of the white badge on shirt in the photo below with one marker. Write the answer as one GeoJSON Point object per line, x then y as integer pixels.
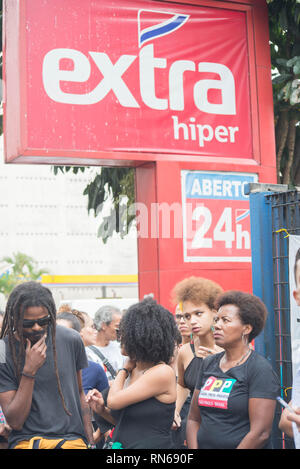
{"type": "Point", "coordinates": [215, 392]}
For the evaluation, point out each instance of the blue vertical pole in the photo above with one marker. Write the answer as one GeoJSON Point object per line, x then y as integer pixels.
{"type": "Point", "coordinates": [262, 268]}
{"type": "Point", "coordinates": [261, 227]}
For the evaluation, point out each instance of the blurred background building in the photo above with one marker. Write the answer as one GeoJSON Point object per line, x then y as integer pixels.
{"type": "Point", "coordinates": [45, 216]}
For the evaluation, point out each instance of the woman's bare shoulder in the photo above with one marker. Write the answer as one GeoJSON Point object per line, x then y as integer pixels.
{"type": "Point", "coordinates": [161, 370]}
{"type": "Point", "coordinates": [185, 353]}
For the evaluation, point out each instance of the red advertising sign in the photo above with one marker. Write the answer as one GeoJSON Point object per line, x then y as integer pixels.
{"type": "Point", "coordinates": [143, 76]}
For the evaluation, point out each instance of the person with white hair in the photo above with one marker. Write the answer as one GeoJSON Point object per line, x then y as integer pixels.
{"type": "Point", "coordinates": [107, 349]}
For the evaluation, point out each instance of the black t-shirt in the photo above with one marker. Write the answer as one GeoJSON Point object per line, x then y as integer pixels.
{"type": "Point", "coordinates": [223, 398]}
{"type": "Point", "coordinates": [47, 417]}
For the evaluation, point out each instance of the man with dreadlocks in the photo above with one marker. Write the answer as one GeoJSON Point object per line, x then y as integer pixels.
{"type": "Point", "coordinates": [41, 394]}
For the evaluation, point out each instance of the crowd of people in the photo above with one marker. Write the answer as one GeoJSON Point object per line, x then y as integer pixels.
{"type": "Point", "coordinates": [140, 379]}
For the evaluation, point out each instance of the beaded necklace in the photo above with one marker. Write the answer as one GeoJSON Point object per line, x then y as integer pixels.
{"type": "Point", "coordinates": [242, 358]}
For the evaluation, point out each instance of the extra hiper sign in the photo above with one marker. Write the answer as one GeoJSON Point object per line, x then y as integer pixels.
{"type": "Point", "coordinates": [141, 76]}
{"type": "Point", "coordinates": [216, 216]}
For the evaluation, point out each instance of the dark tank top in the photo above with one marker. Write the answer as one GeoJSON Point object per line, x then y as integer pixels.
{"type": "Point", "coordinates": [144, 425]}
{"type": "Point", "coordinates": [191, 372]}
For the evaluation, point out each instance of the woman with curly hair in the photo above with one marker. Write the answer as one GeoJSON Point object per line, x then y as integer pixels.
{"type": "Point", "coordinates": [196, 297]}
{"type": "Point", "coordinates": [234, 401]}
{"type": "Point", "coordinates": [144, 391]}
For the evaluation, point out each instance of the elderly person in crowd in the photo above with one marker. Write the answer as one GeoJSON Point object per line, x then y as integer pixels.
{"type": "Point", "coordinates": [106, 350]}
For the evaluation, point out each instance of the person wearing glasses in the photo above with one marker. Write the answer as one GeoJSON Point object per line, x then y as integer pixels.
{"type": "Point", "coordinates": [196, 297]}
{"type": "Point", "coordinates": [183, 327]}
{"type": "Point", "coordinates": [41, 392]}
{"type": "Point", "coordinates": [185, 331]}
{"type": "Point", "coordinates": [94, 376]}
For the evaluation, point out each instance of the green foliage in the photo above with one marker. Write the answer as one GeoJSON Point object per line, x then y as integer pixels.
{"type": "Point", "coordinates": [284, 26]}
{"type": "Point", "coordinates": [23, 268]}
{"type": "Point", "coordinates": [111, 184]}
{"type": "Point", "coordinates": [114, 184]}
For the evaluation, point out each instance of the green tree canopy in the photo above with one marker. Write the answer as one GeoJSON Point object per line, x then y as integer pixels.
{"type": "Point", "coordinates": [22, 268]}
{"type": "Point", "coordinates": [284, 26]}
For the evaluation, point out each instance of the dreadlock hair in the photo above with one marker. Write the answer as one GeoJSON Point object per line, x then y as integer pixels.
{"type": "Point", "coordinates": [24, 296]}
{"type": "Point", "coordinates": [148, 332]}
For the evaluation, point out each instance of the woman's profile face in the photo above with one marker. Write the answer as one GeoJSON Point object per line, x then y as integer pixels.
{"type": "Point", "coordinates": [88, 332]}
{"type": "Point", "coordinates": [183, 327]}
{"type": "Point", "coordinates": [228, 327]}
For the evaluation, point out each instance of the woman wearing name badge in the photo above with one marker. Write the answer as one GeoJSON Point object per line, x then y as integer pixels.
{"type": "Point", "coordinates": [196, 297]}
{"type": "Point", "coordinates": [234, 402]}
{"type": "Point", "coordinates": [144, 391]}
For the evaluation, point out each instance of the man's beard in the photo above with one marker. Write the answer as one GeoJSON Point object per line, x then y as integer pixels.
{"type": "Point", "coordinates": [34, 337]}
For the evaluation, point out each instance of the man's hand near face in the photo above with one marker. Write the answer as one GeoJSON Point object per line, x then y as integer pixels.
{"type": "Point", "coordinates": [35, 355]}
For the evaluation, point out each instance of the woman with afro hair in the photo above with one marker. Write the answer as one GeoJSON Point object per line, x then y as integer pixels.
{"type": "Point", "coordinates": [144, 391]}
{"type": "Point", "coordinates": [196, 297]}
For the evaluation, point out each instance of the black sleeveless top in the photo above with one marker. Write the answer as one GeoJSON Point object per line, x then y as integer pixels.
{"type": "Point", "coordinates": [144, 425]}
{"type": "Point", "coordinates": [191, 372]}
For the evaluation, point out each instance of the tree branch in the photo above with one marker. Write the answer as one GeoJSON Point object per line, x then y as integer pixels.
{"type": "Point", "coordinates": [291, 150]}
